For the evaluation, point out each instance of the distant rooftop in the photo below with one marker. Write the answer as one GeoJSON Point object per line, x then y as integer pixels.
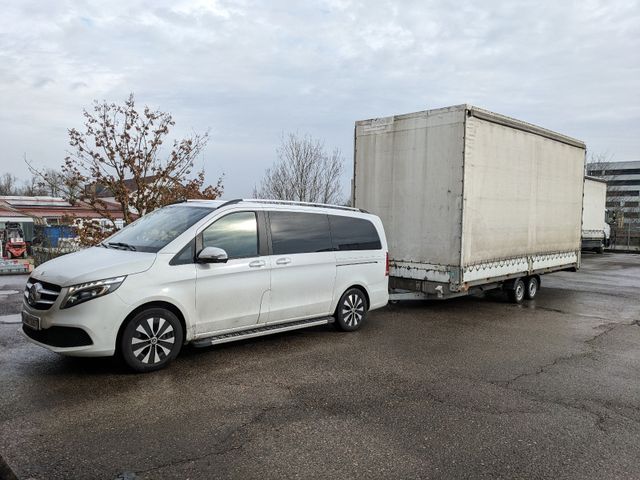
{"type": "Point", "coordinates": [7, 211]}
{"type": "Point", "coordinates": [39, 201]}
{"type": "Point", "coordinates": [42, 206]}
{"type": "Point", "coordinates": [614, 165]}
{"type": "Point", "coordinates": [130, 184]}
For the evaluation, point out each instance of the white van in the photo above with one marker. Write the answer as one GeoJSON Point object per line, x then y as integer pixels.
{"type": "Point", "coordinates": [209, 272]}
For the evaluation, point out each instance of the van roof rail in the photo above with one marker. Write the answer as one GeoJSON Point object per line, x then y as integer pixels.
{"type": "Point", "coordinates": [291, 202]}
{"type": "Point", "coordinates": [230, 202]}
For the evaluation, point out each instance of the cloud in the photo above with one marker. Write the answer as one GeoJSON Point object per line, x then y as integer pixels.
{"type": "Point", "coordinates": [250, 71]}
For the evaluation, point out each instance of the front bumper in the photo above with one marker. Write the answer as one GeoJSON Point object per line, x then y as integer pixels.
{"type": "Point", "coordinates": [86, 330]}
{"type": "Point", "coordinates": [60, 337]}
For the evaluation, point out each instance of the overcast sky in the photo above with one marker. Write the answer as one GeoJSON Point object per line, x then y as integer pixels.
{"type": "Point", "coordinates": [249, 71]}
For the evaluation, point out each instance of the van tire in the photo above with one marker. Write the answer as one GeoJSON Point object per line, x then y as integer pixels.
{"type": "Point", "coordinates": [151, 340]}
{"type": "Point", "coordinates": [517, 293]}
{"type": "Point", "coordinates": [351, 311]}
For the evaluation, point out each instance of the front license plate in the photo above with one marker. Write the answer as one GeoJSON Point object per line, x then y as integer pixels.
{"type": "Point", "coordinates": [31, 320]}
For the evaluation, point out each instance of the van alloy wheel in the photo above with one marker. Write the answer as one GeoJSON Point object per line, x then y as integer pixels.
{"type": "Point", "coordinates": [151, 339]}
{"type": "Point", "coordinates": [351, 311]}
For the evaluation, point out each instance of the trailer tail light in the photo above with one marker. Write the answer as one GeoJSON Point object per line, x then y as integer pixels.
{"type": "Point", "coordinates": [386, 268]}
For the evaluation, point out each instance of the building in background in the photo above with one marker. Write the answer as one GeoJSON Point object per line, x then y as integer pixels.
{"type": "Point", "coordinates": [623, 199]}
{"type": "Point", "coordinates": [49, 211]}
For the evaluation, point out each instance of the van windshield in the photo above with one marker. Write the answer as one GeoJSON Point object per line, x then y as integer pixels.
{"type": "Point", "coordinates": [153, 231]}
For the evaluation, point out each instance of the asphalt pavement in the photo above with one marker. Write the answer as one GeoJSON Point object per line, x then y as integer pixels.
{"type": "Point", "coordinates": [464, 388]}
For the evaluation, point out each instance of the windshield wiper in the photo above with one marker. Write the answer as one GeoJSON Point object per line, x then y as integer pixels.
{"type": "Point", "coordinates": [122, 245]}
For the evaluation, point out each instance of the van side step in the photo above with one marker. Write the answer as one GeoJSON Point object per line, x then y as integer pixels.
{"type": "Point", "coordinates": [260, 331]}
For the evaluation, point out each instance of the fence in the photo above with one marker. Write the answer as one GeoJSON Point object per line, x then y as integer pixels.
{"type": "Point", "coordinates": [625, 237]}
{"type": "Point", "coordinates": [44, 253]}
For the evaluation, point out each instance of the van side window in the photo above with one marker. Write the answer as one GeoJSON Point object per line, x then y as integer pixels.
{"type": "Point", "coordinates": [236, 233]}
{"type": "Point", "coordinates": [350, 233]}
{"type": "Point", "coordinates": [299, 232]}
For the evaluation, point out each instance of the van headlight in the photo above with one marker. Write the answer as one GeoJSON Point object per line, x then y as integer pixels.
{"type": "Point", "coordinates": [84, 292]}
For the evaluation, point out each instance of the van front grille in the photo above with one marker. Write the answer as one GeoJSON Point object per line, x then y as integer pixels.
{"type": "Point", "coordinates": [41, 295]}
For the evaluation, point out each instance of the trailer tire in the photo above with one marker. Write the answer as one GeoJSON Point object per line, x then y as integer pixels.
{"type": "Point", "coordinates": [533, 285]}
{"type": "Point", "coordinates": [517, 293]}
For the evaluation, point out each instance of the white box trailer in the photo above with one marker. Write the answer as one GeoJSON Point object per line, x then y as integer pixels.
{"type": "Point", "coordinates": [470, 199]}
{"type": "Point", "coordinates": [594, 227]}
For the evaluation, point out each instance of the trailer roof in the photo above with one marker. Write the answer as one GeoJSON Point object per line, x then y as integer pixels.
{"type": "Point", "coordinates": [489, 116]}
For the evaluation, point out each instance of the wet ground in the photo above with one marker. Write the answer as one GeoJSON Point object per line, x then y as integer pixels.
{"type": "Point", "coordinates": [467, 388]}
{"type": "Point", "coordinates": [11, 288]}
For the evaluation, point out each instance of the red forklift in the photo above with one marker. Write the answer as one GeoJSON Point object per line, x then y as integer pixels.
{"type": "Point", "coordinates": [13, 243]}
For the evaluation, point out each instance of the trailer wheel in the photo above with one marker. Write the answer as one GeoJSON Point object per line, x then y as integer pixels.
{"type": "Point", "coordinates": [532, 287]}
{"type": "Point", "coordinates": [517, 294]}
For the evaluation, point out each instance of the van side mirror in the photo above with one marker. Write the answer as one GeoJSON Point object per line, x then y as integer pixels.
{"type": "Point", "coordinates": [212, 255]}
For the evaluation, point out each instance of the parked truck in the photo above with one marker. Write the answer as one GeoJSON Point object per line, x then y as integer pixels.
{"type": "Point", "coordinates": [595, 230]}
{"type": "Point", "coordinates": [471, 200]}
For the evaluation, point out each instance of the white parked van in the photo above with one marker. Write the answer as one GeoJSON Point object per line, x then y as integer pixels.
{"type": "Point", "coordinates": [209, 272]}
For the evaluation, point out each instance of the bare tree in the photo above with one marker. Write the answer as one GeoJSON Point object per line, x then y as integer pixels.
{"type": "Point", "coordinates": [9, 184]}
{"type": "Point", "coordinates": [32, 187]}
{"type": "Point", "coordinates": [119, 154]}
{"type": "Point", "coordinates": [56, 184]}
{"type": "Point", "coordinates": [598, 162]}
{"type": "Point", "coordinates": [304, 171]}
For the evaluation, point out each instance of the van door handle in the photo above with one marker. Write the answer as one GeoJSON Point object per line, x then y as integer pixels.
{"type": "Point", "coordinates": [257, 263]}
{"type": "Point", "coordinates": [283, 261]}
